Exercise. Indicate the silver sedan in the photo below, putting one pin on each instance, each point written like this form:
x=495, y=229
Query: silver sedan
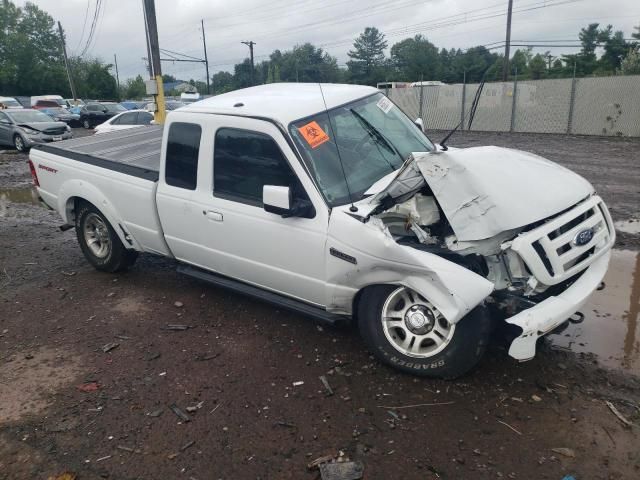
x=23, y=128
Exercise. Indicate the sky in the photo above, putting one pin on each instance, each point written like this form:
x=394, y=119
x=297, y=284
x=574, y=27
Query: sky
x=332, y=24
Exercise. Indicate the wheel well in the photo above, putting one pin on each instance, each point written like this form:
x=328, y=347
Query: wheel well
x=356, y=300
x=73, y=203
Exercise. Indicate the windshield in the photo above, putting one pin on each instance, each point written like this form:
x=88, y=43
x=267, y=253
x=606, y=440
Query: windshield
x=114, y=107
x=10, y=103
x=374, y=137
x=28, y=116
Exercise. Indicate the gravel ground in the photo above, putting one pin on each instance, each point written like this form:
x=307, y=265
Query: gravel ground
x=239, y=364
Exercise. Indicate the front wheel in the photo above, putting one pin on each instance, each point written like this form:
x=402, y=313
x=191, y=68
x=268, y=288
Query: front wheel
x=100, y=244
x=19, y=143
x=86, y=124
x=406, y=331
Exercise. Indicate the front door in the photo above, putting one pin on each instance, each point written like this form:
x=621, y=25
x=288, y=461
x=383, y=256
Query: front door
x=216, y=220
x=5, y=130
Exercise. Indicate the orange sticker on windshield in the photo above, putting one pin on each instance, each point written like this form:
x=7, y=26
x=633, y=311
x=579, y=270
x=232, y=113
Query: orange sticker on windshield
x=313, y=134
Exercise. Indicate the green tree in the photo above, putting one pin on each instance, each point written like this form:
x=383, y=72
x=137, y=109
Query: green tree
x=416, y=59
x=615, y=49
x=630, y=65
x=304, y=63
x=221, y=82
x=473, y=63
x=93, y=79
x=134, y=88
x=367, y=62
x=538, y=67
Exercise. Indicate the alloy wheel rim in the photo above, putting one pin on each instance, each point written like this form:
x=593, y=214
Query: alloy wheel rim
x=413, y=326
x=96, y=236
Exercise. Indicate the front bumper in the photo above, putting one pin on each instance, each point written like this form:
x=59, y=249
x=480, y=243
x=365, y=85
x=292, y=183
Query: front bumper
x=31, y=140
x=548, y=314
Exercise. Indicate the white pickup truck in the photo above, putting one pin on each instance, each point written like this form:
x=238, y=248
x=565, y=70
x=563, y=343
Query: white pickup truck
x=331, y=202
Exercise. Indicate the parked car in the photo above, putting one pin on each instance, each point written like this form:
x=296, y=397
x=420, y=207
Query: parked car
x=332, y=203
x=9, y=102
x=133, y=105
x=54, y=98
x=42, y=104
x=170, y=105
x=125, y=120
x=63, y=115
x=74, y=103
x=24, y=128
x=93, y=114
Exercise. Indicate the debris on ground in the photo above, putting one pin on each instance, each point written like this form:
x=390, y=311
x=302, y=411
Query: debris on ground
x=510, y=427
x=88, y=387
x=341, y=470
x=110, y=346
x=180, y=414
x=566, y=452
x=64, y=476
x=327, y=387
x=204, y=358
x=298, y=383
x=187, y=445
x=617, y=413
x=178, y=304
x=177, y=327
x=195, y=407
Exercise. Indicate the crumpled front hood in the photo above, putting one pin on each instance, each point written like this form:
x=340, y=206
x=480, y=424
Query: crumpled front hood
x=484, y=191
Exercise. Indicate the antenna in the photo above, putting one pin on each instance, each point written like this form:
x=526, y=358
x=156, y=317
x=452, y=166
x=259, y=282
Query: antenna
x=352, y=208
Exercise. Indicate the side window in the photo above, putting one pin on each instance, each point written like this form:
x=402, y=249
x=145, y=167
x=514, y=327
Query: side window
x=244, y=161
x=128, y=118
x=4, y=118
x=144, y=118
x=183, y=146
x=117, y=121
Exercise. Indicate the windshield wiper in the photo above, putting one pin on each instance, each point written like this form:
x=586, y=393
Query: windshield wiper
x=376, y=135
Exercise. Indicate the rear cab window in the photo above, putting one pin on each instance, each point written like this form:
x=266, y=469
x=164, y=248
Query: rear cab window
x=183, y=148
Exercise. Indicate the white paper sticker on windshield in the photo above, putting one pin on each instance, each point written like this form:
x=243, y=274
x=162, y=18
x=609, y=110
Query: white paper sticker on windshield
x=384, y=104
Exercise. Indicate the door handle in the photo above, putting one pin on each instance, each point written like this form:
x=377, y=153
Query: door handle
x=213, y=215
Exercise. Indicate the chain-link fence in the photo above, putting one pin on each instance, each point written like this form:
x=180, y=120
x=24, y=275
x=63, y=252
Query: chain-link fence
x=584, y=106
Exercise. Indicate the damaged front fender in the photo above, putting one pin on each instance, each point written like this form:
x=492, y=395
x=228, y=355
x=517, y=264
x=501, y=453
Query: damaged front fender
x=365, y=253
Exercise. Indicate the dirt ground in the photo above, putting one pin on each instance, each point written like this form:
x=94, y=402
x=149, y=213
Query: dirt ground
x=67, y=405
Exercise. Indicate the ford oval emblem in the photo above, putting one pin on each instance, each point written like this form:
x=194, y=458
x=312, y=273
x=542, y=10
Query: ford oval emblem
x=583, y=237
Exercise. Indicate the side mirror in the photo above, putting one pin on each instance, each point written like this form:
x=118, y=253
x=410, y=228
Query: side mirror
x=276, y=199
x=419, y=123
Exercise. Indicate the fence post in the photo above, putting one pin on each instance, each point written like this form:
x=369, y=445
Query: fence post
x=513, y=100
x=464, y=92
x=421, y=97
x=572, y=99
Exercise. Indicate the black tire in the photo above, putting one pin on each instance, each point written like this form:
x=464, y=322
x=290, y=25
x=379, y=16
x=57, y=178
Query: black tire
x=19, y=143
x=116, y=258
x=86, y=124
x=461, y=354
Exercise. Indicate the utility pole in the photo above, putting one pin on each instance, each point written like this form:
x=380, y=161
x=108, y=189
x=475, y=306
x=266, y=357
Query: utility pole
x=66, y=64
x=146, y=37
x=206, y=60
x=505, y=71
x=154, y=47
x=115, y=61
x=250, y=44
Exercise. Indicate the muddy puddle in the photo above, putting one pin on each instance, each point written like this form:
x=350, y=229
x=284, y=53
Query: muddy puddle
x=19, y=195
x=628, y=226
x=610, y=327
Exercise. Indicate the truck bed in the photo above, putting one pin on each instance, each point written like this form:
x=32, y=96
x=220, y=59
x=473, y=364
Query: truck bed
x=135, y=151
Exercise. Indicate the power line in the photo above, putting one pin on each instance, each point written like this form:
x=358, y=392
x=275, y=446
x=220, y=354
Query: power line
x=84, y=24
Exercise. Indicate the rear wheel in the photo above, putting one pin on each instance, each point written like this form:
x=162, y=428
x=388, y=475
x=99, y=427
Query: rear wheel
x=18, y=142
x=403, y=329
x=86, y=124
x=99, y=242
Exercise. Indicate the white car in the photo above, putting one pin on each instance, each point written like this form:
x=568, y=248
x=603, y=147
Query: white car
x=331, y=202
x=125, y=120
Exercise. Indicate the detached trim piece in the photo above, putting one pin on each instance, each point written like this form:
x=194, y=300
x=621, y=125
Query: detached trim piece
x=261, y=294
x=132, y=170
